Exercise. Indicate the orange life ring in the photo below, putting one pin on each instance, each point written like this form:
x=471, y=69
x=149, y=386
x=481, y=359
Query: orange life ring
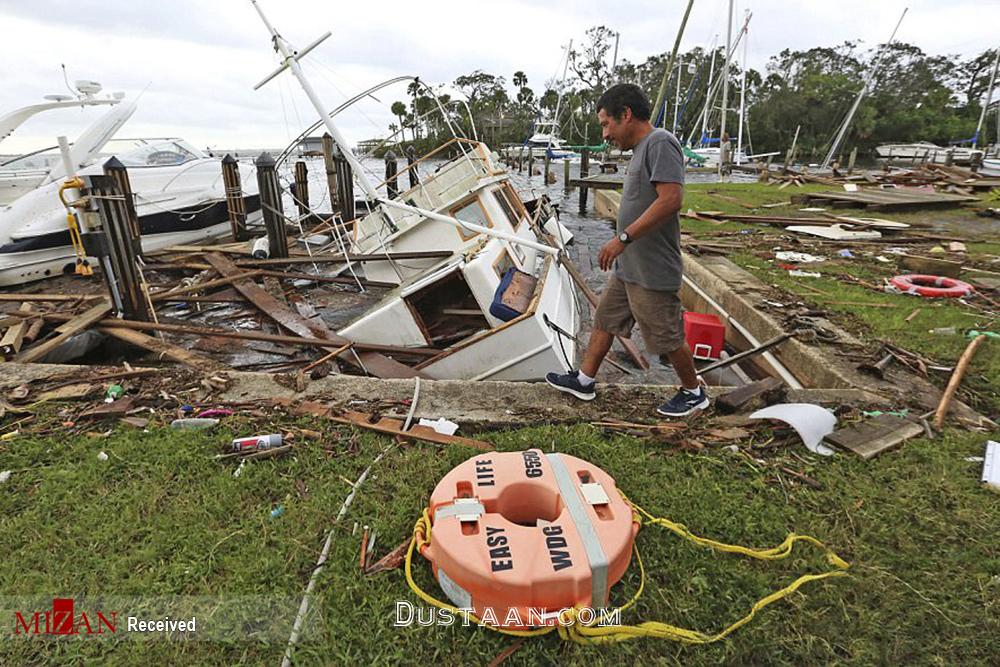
x=930, y=286
x=519, y=536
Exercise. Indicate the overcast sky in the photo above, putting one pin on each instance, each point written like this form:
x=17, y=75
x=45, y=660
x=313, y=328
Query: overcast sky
x=195, y=63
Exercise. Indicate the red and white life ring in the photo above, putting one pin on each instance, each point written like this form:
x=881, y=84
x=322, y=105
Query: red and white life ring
x=930, y=286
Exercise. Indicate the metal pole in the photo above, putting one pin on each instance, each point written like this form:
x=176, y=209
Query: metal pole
x=677, y=94
x=857, y=101
x=743, y=94
x=725, y=83
x=662, y=93
x=989, y=98
x=708, y=91
x=291, y=61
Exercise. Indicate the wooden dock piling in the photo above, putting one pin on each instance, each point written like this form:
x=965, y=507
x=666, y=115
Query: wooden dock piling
x=566, y=174
x=112, y=234
x=411, y=171
x=391, y=174
x=302, y=188
x=235, y=204
x=270, y=205
x=584, y=173
x=331, y=171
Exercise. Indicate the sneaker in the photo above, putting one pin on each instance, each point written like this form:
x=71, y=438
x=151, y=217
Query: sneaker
x=684, y=403
x=569, y=383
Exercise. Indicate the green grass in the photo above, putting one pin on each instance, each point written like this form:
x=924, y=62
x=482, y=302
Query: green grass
x=161, y=518
x=871, y=323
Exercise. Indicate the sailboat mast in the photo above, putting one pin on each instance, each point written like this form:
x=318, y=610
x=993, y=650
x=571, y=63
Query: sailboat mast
x=562, y=84
x=989, y=98
x=743, y=94
x=725, y=81
x=708, y=90
x=291, y=56
x=857, y=101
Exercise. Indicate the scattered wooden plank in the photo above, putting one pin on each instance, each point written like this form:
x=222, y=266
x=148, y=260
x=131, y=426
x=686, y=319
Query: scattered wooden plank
x=875, y=436
x=225, y=280
x=165, y=349
x=64, y=332
x=395, y=427
x=763, y=391
x=10, y=344
x=375, y=363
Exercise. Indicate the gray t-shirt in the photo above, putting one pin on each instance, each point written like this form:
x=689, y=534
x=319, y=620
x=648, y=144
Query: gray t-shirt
x=654, y=260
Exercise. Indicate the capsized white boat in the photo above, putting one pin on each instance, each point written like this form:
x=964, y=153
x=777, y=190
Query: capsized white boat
x=925, y=151
x=179, y=198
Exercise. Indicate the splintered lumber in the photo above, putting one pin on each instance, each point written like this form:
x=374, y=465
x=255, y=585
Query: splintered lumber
x=186, y=329
x=391, y=426
x=10, y=344
x=52, y=297
x=894, y=198
x=160, y=296
x=374, y=363
x=164, y=349
x=740, y=397
x=64, y=332
x=956, y=379
x=874, y=436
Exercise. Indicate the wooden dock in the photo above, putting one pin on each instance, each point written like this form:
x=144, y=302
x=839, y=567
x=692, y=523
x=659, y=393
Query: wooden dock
x=599, y=182
x=883, y=199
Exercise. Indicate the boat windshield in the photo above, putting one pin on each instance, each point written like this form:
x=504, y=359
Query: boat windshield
x=152, y=152
x=42, y=160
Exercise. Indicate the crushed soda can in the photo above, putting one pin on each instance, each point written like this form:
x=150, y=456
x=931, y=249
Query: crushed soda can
x=256, y=443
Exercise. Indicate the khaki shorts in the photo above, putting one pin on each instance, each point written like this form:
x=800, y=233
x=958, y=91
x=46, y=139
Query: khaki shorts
x=658, y=314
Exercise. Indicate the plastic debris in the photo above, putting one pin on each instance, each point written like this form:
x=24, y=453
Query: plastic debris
x=215, y=413
x=797, y=257
x=796, y=273
x=193, y=424
x=846, y=253
x=991, y=465
x=113, y=393
x=101, y=456
x=4, y=476
x=943, y=331
x=277, y=511
x=441, y=425
x=256, y=442
x=811, y=422
x=957, y=246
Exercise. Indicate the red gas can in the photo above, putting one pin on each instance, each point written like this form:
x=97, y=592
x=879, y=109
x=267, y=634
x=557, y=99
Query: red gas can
x=705, y=335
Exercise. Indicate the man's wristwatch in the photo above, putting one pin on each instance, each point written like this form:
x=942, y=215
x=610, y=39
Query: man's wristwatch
x=625, y=238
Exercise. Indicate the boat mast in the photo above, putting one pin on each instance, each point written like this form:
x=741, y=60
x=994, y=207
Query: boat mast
x=743, y=93
x=562, y=85
x=857, y=101
x=291, y=61
x=662, y=93
x=725, y=81
x=989, y=98
x=708, y=91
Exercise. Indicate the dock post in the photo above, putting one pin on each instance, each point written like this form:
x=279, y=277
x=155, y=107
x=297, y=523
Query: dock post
x=331, y=172
x=111, y=233
x=391, y=175
x=566, y=174
x=270, y=205
x=531, y=162
x=851, y=159
x=545, y=167
x=116, y=170
x=584, y=172
x=235, y=204
x=345, y=185
x=520, y=159
x=411, y=171
x=302, y=188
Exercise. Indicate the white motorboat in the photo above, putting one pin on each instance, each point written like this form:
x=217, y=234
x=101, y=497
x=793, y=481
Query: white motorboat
x=23, y=173
x=925, y=151
x=710, y=156
x=179, y=198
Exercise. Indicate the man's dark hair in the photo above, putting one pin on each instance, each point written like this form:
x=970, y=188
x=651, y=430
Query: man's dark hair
x=621, y=95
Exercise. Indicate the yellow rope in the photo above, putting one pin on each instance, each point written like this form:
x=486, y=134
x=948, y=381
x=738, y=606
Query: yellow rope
x=572, y=629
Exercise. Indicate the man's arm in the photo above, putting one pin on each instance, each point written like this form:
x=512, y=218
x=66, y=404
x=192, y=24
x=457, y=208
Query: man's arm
x=669, y=197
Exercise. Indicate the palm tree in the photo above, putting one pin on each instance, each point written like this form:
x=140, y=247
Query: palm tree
x=520, y=79
x=398, y=109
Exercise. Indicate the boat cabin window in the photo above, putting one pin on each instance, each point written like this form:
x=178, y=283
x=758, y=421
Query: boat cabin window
x=503, y=262
x=471, y=211
x=510, y=209
x=158, y=154
x=447, y=311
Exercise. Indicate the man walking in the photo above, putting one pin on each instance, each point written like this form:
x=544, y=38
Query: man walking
x=645, y=254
